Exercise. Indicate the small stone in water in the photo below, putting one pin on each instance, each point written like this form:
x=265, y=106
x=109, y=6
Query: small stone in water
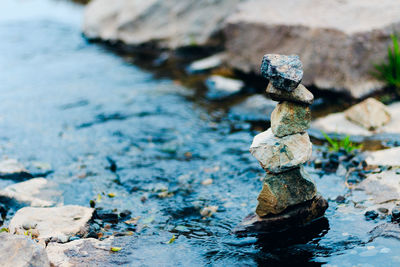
x=383, y=210
x=396, y=214
x=207, y=181
x=371, y=215
x=284, y=72
x=208, y=211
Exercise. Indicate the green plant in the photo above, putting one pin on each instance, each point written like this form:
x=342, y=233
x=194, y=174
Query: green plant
x=345, y=144
x=389, y=71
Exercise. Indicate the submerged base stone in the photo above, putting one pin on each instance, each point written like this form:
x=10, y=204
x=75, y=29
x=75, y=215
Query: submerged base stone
x=283, y=190
x=295, y=216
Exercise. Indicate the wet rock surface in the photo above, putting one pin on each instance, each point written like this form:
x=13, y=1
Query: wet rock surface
x=281, y=154
x=284, y=72
x=37, y=192
x=12, y=169
x=295, y=216
x=85, y=252
x=17, y=250
x=283, y=190
x=52, y=224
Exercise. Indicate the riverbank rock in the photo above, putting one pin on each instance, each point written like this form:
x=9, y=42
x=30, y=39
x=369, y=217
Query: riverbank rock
x=299, y=95
x=382, y=189
x=281, y=154
x=20, y=251
x=170, y=24
x=37, y=192
x=220, y=87
x=254, y=108
x=283, y=190
x=284, y=72
x=290, y=118
x=294, y=217
x=385, y=157
x=82, y=252
x=53, y=224
x=12, y=169
x=337, y=54
x=370, y=114
x=337, y=123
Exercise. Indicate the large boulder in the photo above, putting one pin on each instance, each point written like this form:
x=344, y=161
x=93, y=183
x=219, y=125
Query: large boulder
x=52, y=224
x=18, y=250
x=281, y=154
x=336, y=52
x=172, y=23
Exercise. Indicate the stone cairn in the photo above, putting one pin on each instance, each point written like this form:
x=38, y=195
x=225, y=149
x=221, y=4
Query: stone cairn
x=289, y=196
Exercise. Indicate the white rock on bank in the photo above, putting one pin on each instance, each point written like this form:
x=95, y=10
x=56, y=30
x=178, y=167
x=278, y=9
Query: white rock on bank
x=369, y=114
x=254, y=108
x=57, y=223
x=382, y=190
x=37, y=192
x=20, y=251
x=280, y=154
x=11, y=168
x=337, y=123
x=82, y=252
x=336, y=52
x=172, y=23
x=220, y=87
x=205, y=64
x=385, y=157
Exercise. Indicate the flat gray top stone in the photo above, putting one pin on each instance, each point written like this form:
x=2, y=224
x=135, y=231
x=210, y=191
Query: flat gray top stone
x=284, y=72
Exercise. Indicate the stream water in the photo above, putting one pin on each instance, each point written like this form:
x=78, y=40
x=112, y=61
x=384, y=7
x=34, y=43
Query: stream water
x=79, y=108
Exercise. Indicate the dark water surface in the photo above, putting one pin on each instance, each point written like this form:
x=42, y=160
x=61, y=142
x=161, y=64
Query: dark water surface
x=78, y=107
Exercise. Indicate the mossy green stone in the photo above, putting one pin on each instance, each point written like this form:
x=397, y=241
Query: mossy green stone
x=283, y=190
x=290, y=118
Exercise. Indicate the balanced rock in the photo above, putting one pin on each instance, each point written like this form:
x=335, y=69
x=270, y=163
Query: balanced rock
x=290, y=118
x=284, y=72
x=299, y=95
x=283, y=190
x=370, y=114
x=281, y=154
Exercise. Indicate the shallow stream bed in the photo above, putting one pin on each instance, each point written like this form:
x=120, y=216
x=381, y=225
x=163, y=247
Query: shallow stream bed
x=106, y=126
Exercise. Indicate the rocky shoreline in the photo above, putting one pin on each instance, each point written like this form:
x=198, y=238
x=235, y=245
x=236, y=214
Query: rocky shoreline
x=245, y=29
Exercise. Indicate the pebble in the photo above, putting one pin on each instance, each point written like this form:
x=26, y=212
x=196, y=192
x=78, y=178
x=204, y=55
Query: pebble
x=395, y=214
x=371, y=215
x=207, y=181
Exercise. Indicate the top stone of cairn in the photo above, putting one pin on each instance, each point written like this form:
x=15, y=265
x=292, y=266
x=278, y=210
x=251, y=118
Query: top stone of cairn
x=284, y=72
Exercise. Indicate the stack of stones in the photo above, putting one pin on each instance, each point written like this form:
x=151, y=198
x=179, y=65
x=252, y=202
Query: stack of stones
x=285, y=147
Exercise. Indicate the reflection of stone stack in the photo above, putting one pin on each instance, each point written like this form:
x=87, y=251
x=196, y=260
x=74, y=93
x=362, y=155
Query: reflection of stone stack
x=285, y=147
